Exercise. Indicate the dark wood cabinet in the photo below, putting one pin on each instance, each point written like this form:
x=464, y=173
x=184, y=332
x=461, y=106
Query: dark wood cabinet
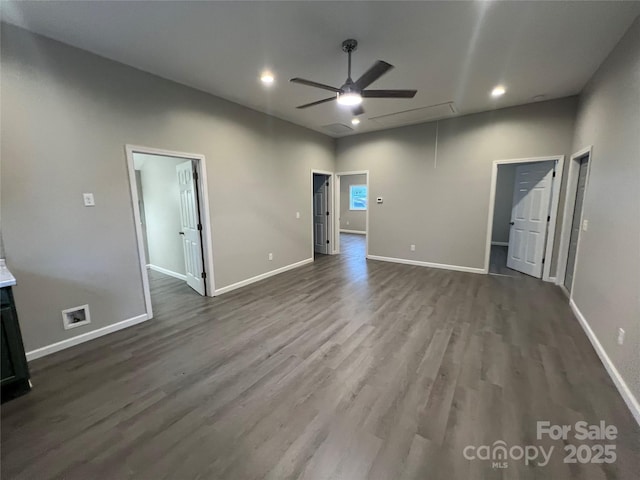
x=15, y=372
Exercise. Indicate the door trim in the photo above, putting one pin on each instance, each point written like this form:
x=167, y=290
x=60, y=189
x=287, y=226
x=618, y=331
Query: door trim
x=337, y=202
x=204, y=206
x=330, y=234
x=567, y=216
x=555, y=199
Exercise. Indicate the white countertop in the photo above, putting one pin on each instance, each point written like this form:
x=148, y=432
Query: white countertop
x=6, y=279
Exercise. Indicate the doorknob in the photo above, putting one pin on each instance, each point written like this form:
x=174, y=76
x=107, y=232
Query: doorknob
x=181, y=233
x=511, y=223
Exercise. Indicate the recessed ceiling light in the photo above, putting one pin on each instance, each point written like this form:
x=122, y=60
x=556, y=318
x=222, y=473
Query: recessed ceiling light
x=267, y=77
x=355, y=121
x=498, y=91
x=349, y=98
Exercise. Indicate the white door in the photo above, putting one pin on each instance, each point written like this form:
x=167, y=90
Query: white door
x=190, y=232
x=320, y=214
x=529, y=217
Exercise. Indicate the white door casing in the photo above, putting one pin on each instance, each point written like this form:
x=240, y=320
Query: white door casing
x=529, y=217
x=320, y=214
x=190, y=231
x=576, y=223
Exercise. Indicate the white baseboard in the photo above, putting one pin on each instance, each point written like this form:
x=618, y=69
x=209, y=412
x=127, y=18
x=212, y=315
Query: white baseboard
x=85, y=337
x=357, y=232
x=564, y=290
x=171, y=273
x=551, y=279
x=621, y=385
x=262, y=276
x=501, y=244
x=443, y=266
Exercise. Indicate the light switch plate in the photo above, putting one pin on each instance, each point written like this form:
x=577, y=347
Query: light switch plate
x=585, y=225
x=88, y=200
x=379, y=200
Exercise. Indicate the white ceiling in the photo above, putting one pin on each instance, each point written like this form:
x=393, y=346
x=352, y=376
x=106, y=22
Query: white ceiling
x=448, y=51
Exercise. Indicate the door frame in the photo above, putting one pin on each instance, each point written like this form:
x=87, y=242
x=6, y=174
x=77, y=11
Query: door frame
x=204, y=209
x=567, y=218
x=555, y=199
x=337, y=202
x=330, y=234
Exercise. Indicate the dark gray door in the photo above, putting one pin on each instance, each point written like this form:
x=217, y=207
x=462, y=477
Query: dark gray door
x=320, y=213
x=575, y=224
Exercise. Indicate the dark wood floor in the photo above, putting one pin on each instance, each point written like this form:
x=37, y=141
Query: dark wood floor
x=344, y=368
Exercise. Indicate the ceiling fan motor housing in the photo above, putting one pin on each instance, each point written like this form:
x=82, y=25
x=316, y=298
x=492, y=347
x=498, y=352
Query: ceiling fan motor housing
x=349, y=45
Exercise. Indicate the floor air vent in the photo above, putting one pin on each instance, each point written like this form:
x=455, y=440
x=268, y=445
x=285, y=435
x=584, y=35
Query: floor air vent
x=76, y=317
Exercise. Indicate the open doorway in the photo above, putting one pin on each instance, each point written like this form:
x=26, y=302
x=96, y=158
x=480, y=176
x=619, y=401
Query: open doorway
x=522, y=216
x=321, y=195
x=352, y=222
x=573, y=221
x=171, y=220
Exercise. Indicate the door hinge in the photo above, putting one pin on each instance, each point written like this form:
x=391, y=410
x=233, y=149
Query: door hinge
x=327, y=184
x=327, y=241
x=195, y=175
x=327, y=213
x=554, y=174
x=203, y=274
x=543, y=261
x=199, y=226
x=548, y=218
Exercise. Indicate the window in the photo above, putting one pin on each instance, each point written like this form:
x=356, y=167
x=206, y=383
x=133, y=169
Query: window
x=358, y=197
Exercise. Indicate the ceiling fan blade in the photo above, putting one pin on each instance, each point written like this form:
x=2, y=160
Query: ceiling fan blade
x=375, y=72
x=389, y=93
x=309, y=83
x=306, y=105
x=357, y=110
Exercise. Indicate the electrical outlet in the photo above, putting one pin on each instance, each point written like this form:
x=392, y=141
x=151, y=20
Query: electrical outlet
x=271, y=256
x=585, y=225
x=620, y=336
x=413, y=248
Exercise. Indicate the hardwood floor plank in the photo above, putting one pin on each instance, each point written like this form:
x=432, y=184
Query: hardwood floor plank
x=344, y=368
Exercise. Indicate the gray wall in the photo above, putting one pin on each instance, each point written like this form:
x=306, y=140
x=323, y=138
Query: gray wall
x=607, y=274
x=503, y=203
x=161, y=198
x=441, y=205
x=351, y=219
x=66, y=116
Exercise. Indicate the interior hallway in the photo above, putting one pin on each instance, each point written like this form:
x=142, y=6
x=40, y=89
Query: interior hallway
x=498, y=263
x=344, y=368
x=353, y=245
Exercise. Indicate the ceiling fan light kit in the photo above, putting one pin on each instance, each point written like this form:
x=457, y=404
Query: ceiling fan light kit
x=351, y=93
x=349, y=98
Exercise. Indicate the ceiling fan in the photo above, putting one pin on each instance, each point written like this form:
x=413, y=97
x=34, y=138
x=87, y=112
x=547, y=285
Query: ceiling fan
x=352, y=93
